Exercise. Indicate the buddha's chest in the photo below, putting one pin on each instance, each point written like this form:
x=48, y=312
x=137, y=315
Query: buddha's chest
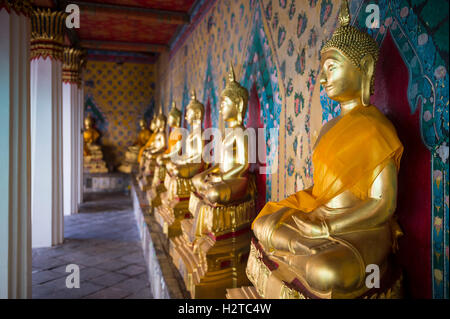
x=230, y=153
x=88, y=136
x=194, y=143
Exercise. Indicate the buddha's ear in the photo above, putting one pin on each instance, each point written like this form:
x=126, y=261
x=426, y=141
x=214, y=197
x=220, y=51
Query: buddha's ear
x=240, y=109
x=368, y=69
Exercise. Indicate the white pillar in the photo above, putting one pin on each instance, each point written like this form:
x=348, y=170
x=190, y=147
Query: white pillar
x=15, y=215
x=70, y=108
x=72, y=59
x=79, y=143
x=46, y=131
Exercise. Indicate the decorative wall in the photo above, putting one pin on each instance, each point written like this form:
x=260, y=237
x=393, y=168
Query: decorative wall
x=274, y=45
x=118, y=95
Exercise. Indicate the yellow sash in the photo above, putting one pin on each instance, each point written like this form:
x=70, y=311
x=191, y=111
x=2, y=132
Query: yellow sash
x=149, y=142
x=143, y=137
x=174, y=137
x=362, y=141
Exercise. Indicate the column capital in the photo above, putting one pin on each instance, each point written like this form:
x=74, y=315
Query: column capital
x=47, y=34
x=73, y=62
x=18, y=6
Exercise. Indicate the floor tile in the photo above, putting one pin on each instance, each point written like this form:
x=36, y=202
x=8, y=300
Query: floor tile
x=103, y=240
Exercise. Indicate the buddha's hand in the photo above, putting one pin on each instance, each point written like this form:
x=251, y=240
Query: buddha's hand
x=172, y=168
x=311, y=226
x=265, y=227
x=218, y=193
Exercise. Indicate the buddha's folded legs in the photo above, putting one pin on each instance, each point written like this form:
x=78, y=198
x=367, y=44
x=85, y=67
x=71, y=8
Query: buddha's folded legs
x=337, y=263
x=227, y=191
x=265, y=227
x=198, y=183
x=187, y=170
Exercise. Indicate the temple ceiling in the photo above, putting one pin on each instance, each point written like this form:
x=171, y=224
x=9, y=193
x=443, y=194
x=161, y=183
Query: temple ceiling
x=134, y=26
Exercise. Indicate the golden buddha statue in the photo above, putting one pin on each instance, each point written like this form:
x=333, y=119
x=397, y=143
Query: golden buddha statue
x=212, y=252
x=144, y=134
x=141, y=160
x=93, y=155
x=174, y=147
x=149, y=140
x=180, y=170
x=156, y=146
x=131, y=156
x=318, y=242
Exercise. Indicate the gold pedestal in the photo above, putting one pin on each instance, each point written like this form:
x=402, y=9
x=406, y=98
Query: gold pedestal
x=154, y=194
x=246, y=292
x=212, y=252
x=273, y=279
x=94, y=163
x=175, y=204
x=130, y=161
x=145, y=176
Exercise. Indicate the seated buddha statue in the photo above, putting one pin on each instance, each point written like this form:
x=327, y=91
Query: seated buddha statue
x=131, y=155
x=180, y=170
x=173, y=148
x=212, y=252
x=141, y=159
x=157, y=146
x=318, y=242
x=92, y=153
x=149, y=140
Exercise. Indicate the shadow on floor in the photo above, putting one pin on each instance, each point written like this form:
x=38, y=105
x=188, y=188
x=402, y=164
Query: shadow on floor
x=106, y=248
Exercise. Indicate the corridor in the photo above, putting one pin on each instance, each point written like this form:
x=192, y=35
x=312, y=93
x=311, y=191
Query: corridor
x=103, y=240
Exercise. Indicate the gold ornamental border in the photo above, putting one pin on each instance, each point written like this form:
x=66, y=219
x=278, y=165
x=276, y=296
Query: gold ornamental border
x=47, y=34
x=72, y=64
x=18, y=6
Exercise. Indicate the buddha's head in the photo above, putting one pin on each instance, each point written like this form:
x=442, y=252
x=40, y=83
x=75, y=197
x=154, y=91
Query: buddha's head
x=153, y=124
x=160, y=121
x=88, y=122
x=174, y=119
x=348, y=62
x=194, y=111
x=142, y=124
x=233, y=100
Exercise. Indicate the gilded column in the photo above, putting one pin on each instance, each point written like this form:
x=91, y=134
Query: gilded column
x=15, y=193
x=72, y=59
x=47, y=36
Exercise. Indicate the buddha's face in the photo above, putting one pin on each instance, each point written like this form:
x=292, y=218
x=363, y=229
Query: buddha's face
x=88, y=123
x=228, y=109
x=153, y=125
x=339, y=77
x=160, y=123
x=192, y=115
x=142, y=124
x=171, y=120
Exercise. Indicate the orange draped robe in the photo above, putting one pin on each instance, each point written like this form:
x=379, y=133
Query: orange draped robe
x=360, y=144
x=174, y=137
x=143, y=136
x=149, y=142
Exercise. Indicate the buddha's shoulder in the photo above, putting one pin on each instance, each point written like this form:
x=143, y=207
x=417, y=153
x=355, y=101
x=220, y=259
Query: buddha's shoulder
x=375, y=118
x=325, y=128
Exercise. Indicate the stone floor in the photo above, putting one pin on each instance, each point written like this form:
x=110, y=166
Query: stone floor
x=103, y=240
